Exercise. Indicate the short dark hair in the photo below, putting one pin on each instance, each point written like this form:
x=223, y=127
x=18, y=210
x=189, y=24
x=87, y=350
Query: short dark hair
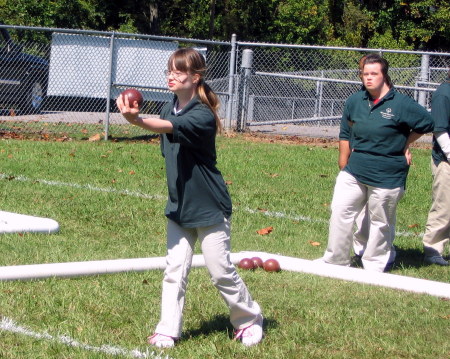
x=377, y=59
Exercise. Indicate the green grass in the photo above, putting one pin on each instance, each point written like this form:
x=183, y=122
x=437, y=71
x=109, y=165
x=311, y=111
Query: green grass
x=95, y=191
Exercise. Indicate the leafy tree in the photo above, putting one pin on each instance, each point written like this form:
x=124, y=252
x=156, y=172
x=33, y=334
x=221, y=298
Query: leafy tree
x=417, y=24
x=249, y=20
x=302, y=22
x=426, y=24
x=420, y=24
x=48, y=13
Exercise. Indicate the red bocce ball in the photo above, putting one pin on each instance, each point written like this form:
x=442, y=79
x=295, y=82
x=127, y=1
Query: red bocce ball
x=257, y=262
x=133, y=96
x=246, y=263
x=272, y=265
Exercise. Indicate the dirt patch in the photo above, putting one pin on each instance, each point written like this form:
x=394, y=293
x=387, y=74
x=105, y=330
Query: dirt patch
x=285, y=139
x=424, y=143
x=289, y=139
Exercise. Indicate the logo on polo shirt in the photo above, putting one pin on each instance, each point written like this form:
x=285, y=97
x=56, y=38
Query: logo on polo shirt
x=387, y=114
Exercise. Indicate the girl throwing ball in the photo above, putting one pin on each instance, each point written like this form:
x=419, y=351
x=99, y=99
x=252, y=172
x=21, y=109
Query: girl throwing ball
x=198, y=204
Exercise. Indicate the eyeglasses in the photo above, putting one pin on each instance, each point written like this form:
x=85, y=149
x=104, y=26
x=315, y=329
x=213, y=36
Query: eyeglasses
x=175, y=74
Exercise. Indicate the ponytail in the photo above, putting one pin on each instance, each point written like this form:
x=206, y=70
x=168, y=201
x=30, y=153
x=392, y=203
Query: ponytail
x=210, y=99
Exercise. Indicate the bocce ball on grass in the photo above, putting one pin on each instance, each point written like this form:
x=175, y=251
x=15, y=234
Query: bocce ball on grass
x=272, y=265
x=246, y=263
x=134, y=96
x=257, y=262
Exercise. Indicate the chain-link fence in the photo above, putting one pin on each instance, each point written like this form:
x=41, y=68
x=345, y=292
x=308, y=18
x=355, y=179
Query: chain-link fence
x=66, y=81
x=309, y=85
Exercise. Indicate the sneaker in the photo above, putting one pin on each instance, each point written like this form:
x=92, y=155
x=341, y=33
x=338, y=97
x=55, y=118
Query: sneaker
x=251, y=335
x=389, y=266
x=161, y=341
x=435, y=260
x=356, y=261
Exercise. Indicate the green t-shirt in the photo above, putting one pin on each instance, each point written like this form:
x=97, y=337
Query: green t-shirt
x=378, y=136
x=440, y=111
x=197, y=193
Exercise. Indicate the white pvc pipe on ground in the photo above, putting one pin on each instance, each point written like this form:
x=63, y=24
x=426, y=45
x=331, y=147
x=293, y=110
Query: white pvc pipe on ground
x=19, y=223
x=411, y=284
x=73, y=269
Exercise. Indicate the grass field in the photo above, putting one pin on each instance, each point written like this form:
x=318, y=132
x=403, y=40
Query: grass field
x=108, y=198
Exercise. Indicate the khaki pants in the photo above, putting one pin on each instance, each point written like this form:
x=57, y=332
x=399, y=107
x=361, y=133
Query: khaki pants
x=215, y=245
x=361, y=234
x=349, y=199
x=437, y=230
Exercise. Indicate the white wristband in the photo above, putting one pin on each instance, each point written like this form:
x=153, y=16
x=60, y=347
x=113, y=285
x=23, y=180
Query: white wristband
x=444, y=142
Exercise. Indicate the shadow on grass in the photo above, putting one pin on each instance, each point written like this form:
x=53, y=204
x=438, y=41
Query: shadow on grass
x=408, y=258
x=132, y=138
x=405, y=258
x=221, y=323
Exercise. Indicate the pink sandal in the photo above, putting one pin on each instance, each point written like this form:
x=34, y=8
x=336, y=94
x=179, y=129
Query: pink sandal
x=161, y=341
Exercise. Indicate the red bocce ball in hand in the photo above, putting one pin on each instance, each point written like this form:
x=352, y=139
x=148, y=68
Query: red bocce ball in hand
x=133, y=97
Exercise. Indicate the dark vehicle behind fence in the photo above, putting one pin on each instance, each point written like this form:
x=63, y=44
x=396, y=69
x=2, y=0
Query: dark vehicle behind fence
x=23, y=77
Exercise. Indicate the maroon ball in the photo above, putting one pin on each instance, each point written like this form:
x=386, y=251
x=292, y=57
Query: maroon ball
x=246, y=263
x=133, y=95
x=257, y=262
x=272, y=265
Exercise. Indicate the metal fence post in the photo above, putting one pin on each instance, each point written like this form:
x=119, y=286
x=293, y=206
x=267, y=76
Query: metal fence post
x=229, y=109
x=246, y=70
x=423, y=77
x=108, y=99
x=319, y=94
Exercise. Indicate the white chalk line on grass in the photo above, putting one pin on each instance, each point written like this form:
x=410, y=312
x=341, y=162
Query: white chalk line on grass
x=9, y=325
x=127, y=192
x=80, y=186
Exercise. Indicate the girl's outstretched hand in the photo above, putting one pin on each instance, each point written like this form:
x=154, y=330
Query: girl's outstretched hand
x=130, y=112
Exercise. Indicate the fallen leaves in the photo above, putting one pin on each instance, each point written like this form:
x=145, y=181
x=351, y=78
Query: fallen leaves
x=314, y=243
x=95, y=137
x=265, y=231
x=271, y=175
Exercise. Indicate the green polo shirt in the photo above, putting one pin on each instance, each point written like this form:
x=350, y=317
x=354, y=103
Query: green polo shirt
x=197, y=193
x=440, y=111
x=378, y=135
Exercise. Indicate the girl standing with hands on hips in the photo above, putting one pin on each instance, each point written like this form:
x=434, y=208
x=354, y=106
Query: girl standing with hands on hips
x=383, y=123
x=198, y=204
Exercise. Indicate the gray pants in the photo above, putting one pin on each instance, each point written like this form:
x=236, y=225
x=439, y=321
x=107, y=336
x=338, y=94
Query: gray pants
x=215, y=245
